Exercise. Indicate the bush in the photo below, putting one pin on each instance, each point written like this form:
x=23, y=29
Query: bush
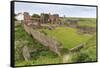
x=83, y=57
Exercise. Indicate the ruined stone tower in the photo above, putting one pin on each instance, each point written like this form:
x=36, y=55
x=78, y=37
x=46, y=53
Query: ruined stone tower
x=27, y=18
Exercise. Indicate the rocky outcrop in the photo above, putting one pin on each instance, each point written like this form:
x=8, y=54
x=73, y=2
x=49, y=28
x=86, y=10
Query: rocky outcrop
x=49, y=42
x=26, y=53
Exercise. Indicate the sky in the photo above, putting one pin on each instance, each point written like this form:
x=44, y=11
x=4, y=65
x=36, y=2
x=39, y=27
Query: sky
x=62, y=10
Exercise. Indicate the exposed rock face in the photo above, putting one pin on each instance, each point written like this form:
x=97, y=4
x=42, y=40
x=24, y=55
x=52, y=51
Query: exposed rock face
x=77, y=48
x=86, y=30
x=27, y=29
x=46, y=41
x=26, y=53
x=49, y=42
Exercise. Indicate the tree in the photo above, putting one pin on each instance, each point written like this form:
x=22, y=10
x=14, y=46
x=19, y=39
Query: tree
x=36, y=16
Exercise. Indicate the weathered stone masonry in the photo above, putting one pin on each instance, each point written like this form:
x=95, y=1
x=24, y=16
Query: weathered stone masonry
x=49, y=42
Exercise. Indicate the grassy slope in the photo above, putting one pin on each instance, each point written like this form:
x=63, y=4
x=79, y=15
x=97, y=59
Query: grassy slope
x=41, y=56
x=91, y=48
x=86, y=54
x=84, y=21
x=88, y=22
x=67, y=36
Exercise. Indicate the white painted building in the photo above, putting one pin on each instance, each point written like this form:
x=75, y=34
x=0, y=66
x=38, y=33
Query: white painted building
x=19, y=17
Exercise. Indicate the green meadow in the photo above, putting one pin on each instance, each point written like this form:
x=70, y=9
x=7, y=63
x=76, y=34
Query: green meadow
x=42, y=56
x=67, y=36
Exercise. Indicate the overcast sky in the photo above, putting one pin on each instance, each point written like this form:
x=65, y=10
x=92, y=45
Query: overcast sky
x=67, y=10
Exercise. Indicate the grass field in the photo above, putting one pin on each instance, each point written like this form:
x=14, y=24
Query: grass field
x=67, y=36
x=88, y=22
x=42, y=56
x=86, y=54
x=91, y=22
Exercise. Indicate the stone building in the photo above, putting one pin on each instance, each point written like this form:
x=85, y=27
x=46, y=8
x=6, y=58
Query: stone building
x=48, y=18
x=43, y=19
x=27, y=18
x=29, y=21
x=54, y=19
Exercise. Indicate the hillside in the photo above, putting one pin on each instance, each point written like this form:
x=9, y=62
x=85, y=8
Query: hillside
x=69, y=38
x=86, y=54
x=39, y=52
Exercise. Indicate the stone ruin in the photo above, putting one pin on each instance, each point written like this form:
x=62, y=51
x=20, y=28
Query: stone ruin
x=86, y=29
x=54, y=19
x=49, y=42
x=81, y=29
x=72, y=23
x=44, y=19
x=29, y=21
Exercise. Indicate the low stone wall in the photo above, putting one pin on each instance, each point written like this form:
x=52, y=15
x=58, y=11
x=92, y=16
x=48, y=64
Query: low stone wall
x=86, y=29
x=49, y=42
x=77, y=48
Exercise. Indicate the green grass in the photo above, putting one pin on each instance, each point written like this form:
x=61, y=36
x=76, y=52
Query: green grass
x=67, y=36
x=86, y=54
x=87, y=23
x=42, y=56
x=91, y=22
x=91, y=48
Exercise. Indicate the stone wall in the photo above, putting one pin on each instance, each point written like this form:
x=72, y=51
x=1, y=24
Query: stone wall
x=27, y=19
x=44, y=19
x=54, y=19
x=86, y=29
